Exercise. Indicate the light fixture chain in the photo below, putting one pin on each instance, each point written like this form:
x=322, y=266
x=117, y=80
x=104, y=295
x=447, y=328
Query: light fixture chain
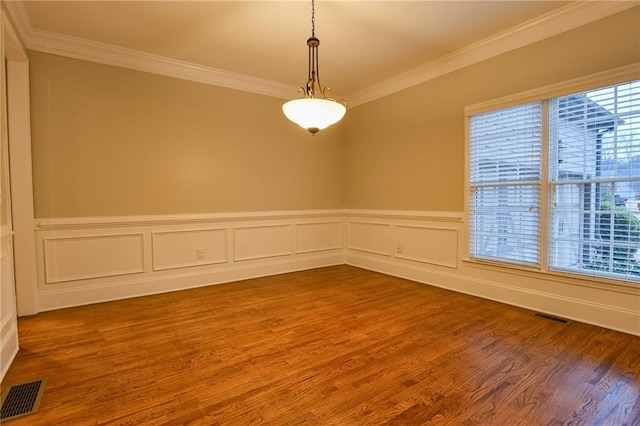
x=313, y=18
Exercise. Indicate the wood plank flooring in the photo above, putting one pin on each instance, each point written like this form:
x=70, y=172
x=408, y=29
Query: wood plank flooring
x=330, y=346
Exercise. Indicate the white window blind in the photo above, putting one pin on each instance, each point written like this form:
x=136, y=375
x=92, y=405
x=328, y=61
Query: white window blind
x=594, y=171
x=505, y=183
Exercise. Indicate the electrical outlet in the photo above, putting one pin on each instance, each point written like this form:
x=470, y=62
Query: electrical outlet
x=200, y=254
x=398, y=248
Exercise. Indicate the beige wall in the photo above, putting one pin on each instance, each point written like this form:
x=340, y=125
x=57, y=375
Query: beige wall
x=109, y=141
x=406, y=151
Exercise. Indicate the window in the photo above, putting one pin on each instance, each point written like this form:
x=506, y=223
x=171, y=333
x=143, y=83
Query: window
x=505, y=182
x=555, y=184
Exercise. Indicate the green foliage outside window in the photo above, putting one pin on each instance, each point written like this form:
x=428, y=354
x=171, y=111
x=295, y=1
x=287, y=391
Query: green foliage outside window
x=617, y=255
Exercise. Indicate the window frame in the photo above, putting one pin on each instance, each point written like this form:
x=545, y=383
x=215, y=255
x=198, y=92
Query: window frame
x=519, y=179
x=542, y=94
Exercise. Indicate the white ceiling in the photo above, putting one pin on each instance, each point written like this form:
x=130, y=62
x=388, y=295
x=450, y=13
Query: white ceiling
x=368, y=48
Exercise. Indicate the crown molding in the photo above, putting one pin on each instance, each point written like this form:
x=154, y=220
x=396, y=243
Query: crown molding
x=561, y=20
x=73, y=47
x=19, y=16
x=87, y=50
x=564, y=19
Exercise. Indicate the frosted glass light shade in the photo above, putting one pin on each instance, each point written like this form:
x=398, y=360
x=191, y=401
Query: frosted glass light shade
x=314, y=114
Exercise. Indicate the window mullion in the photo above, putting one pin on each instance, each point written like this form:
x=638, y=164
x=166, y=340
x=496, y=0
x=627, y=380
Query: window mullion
x=545, y=202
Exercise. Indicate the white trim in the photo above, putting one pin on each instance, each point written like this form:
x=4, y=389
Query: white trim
x=576, y=279
x=19, y=16
x=373, y=250
x=155, y=264
x=435, y=216
x=563, y=19
x=19, y=141
x=553, y=23
x=612, y=317
x=77, y=48
x=260, y=255
x=49, y=253
x=580, y=84
x=268, y=252
x=9, y=344
x=66, y=223
x=21, y=176
x=338, y=246
x=544, y=94
x=596, y=303
x=103, y=53
x=453, y=264
x=148, y=285
x=47, y=224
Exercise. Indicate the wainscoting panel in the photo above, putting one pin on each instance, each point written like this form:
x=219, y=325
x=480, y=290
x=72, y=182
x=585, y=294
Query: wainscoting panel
x=438, y=246
x=97, y=259
x=318, y=236
x=429, y=247
x=8, y=316
x=191, y=247
x=91, y=260
x=261, y=241
x=83, y=257
x=370, y=237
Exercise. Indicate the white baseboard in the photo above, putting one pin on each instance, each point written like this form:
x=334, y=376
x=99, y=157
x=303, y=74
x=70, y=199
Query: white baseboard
x=8, y=318
x=149, y=285
x=627, y=321
x=8, y=345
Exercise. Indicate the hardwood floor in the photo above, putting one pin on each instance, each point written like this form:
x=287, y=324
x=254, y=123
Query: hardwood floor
x=331, y=346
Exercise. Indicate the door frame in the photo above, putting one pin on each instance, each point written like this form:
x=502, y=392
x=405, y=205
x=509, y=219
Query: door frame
x=16, y=65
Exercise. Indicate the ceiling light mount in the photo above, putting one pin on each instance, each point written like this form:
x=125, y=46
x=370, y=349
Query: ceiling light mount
x=315, y=110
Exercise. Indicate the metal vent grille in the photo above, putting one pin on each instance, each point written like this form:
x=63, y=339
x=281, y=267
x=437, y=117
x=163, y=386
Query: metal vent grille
x=552, y=318
x=21, y=400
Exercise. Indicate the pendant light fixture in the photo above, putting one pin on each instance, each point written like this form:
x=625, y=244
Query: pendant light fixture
x=315, y=110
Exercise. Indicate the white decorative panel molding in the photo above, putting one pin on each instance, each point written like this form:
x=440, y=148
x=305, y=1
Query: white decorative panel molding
x=184, y=248
x=370, y=237
x=318, y=236
x=77, y=258
x=438, y=246
x=95, y=259
x=261, y=241
x=8, y=315
x=7, y=291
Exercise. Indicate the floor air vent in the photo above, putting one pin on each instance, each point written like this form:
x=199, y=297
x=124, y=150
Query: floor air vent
x=552, y=318
x=21, y=400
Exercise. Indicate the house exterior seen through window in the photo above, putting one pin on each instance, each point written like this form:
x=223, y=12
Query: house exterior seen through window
x=569, y=166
